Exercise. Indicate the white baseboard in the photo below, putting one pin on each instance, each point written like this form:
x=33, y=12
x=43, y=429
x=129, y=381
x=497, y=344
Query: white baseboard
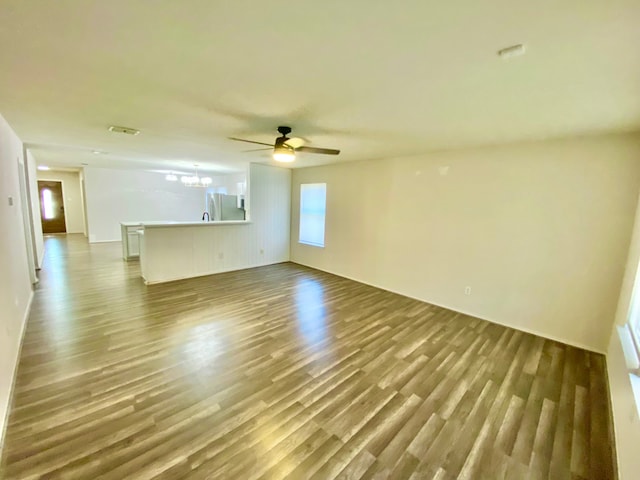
x=471, y=314
x=23, y=329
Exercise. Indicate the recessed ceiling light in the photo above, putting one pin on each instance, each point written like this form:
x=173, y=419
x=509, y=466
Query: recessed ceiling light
x=43, y=167
x=512, y=51
x=96, y=152
x=125, y=130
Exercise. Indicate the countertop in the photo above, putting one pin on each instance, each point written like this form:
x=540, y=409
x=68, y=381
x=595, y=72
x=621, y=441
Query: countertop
x=184, y=224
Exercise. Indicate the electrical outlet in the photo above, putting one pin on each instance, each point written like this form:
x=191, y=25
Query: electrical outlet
x=220, y=256
x=262, y=251
x=467, y=290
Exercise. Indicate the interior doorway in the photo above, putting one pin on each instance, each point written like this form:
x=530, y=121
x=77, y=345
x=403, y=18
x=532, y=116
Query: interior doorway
x=51, y=207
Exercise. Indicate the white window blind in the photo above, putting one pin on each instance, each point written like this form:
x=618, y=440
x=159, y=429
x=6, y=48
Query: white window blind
x=313, y=204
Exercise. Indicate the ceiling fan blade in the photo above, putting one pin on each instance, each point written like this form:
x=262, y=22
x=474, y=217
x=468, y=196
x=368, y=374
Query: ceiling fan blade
x=257, y=150
x=295, y=142
x=324, y=151
x=250, y=141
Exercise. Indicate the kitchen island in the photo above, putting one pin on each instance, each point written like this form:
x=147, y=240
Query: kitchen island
x=176, y=250
x=130, y=240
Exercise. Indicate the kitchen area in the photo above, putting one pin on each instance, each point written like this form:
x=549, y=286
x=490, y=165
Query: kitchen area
x=224, y=199
x=238, y=226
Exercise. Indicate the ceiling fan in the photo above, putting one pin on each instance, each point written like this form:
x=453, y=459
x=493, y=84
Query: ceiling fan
x=284, y=151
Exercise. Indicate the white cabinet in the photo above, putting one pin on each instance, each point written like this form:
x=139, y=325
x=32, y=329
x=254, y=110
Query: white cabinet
x=130, y=240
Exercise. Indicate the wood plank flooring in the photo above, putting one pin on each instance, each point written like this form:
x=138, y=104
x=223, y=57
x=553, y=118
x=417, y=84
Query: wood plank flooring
x=287, y=372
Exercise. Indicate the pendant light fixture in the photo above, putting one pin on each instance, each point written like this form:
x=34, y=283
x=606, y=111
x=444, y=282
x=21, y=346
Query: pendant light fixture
x=195, y=180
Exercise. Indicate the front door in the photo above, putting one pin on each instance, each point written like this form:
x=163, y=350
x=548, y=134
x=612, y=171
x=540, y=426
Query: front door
x=51, y=207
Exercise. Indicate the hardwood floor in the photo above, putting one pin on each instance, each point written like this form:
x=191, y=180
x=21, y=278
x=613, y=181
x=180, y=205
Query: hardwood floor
x=284, y=371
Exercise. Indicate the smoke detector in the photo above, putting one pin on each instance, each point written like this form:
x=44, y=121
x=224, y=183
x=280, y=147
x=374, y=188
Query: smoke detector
x=125, y=130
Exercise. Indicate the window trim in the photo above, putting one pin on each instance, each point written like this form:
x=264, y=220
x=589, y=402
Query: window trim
x=632, y=327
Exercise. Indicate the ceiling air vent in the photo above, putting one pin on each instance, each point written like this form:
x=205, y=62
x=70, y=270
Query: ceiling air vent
x=125, y=130
x=512, y=51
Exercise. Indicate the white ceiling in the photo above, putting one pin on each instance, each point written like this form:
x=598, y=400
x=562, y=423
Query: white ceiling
x=373, y=79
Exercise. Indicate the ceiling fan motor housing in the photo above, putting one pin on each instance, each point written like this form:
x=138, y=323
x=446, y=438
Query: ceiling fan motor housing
x=284, y=130
x=281, y=145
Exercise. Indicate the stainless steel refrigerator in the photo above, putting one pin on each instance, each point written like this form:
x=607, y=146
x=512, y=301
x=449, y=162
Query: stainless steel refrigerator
x=225, y=207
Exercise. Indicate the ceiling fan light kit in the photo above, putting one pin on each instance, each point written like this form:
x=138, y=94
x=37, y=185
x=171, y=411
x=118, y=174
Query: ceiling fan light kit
x=283, y=151
x=284, y=154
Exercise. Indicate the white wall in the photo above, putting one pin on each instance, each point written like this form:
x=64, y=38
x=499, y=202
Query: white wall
x=114, y=196
x=227, y=183
x=36, y=224
x=73, y=208
x=539, y=231
x=174, y=252
x=15, y=285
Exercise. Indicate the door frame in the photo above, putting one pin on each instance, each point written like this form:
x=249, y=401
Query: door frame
x=25, y=207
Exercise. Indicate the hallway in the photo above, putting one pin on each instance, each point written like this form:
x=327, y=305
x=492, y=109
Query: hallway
x=286, y=371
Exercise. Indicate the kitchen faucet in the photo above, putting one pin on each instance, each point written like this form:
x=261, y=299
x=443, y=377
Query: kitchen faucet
x=207, y=214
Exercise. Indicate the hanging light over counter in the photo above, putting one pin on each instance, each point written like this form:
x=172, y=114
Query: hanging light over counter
x=190, y=180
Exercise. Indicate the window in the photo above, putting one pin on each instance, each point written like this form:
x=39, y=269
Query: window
x=630, y=334
x=634, y=308
x=630, y=340
x=313, y=203
x=47, y=204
